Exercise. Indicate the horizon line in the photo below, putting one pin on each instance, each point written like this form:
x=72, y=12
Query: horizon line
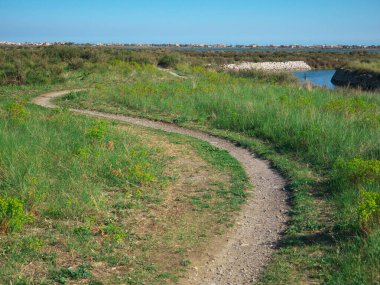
x=184, y=44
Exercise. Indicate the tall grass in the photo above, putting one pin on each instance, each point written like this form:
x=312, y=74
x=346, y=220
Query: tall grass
x=318, y=125
x=57, y=177
x=337, y=133
x=59, y=165
x=365, y=65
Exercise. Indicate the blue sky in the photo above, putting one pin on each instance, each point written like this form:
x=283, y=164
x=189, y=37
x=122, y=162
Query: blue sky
x=196, y=21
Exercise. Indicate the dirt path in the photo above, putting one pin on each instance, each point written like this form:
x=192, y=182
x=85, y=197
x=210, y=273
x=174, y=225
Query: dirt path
x=171, y=73
x=240, y=256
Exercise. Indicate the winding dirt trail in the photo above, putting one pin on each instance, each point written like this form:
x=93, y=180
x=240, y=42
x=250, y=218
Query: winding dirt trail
x=240, y=256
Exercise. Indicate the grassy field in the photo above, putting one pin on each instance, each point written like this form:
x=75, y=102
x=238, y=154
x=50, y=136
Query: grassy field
x=84, y=201
x=325, y=142
x=334, y=133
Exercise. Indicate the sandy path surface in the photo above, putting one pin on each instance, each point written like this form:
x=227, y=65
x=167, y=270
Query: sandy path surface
x=240, y=256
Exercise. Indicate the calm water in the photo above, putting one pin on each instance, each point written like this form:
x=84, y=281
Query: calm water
x=317, y=77
x=275, y=50
x=261, y=49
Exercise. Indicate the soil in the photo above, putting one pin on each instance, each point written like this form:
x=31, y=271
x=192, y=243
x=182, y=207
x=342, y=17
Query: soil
x=241, y=255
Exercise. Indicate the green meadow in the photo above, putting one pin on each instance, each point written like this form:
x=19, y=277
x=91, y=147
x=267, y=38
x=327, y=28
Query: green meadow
x=71, y=187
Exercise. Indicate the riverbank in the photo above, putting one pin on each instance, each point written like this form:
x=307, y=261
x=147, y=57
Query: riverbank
x=366, y=80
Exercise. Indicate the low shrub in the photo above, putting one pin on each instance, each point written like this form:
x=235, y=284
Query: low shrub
x=113, y=232
x=75, y=64
x=16, y=111
x=12, y=215
x=369, y=209
x=98, y=131
x=12, y=75
x=358, y=171
x=169, y=60
x=61, y=276
x=362, y=177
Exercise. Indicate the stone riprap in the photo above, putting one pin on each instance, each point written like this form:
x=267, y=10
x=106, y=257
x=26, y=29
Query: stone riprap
x=269, y=66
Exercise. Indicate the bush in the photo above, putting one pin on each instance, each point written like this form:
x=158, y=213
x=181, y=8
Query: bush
x=369, y=209
x=12, y=215
x=75, y=63
x=12, y=75
x=362, y=177
x=113, y=232
x=16, y=111
x=359, y=171
x=98, y=131
x=169, y=60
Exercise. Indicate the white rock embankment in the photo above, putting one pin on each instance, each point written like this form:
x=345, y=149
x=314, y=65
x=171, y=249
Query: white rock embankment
x=269, y=66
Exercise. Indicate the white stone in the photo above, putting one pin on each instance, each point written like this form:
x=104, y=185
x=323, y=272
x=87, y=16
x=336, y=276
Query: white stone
x=269, y=66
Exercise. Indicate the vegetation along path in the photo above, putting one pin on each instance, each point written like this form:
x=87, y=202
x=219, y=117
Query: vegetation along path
x=241, y=255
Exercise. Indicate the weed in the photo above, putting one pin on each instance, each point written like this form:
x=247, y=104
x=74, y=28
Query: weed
x=16, y=111
x=12, y=214
x=98, y=131
x=185, y=262
x=32, y=244
x=180, y=120
x=74, y=95
x=358, y=171
x=369, y=208
x=53, y=212
x=113, y=232
x=81, y=272
x=164, y=276
x=82, y=232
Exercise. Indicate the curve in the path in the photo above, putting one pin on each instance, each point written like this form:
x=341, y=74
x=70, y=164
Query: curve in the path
x=171, y=72
x=244, y=252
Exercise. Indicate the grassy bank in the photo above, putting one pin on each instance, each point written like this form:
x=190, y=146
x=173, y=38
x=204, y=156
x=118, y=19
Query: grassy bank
x=85, y=201
x=332, y=134
x=365, y=65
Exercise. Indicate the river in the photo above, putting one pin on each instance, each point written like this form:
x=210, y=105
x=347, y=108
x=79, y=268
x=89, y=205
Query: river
x=317, y=77
x=259, y=49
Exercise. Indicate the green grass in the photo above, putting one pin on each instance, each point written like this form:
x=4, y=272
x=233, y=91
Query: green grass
x=54, y=64
x=324, y=142
x=317, y=125
x=365, y=65
x=94, y=196
x=329, y=133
